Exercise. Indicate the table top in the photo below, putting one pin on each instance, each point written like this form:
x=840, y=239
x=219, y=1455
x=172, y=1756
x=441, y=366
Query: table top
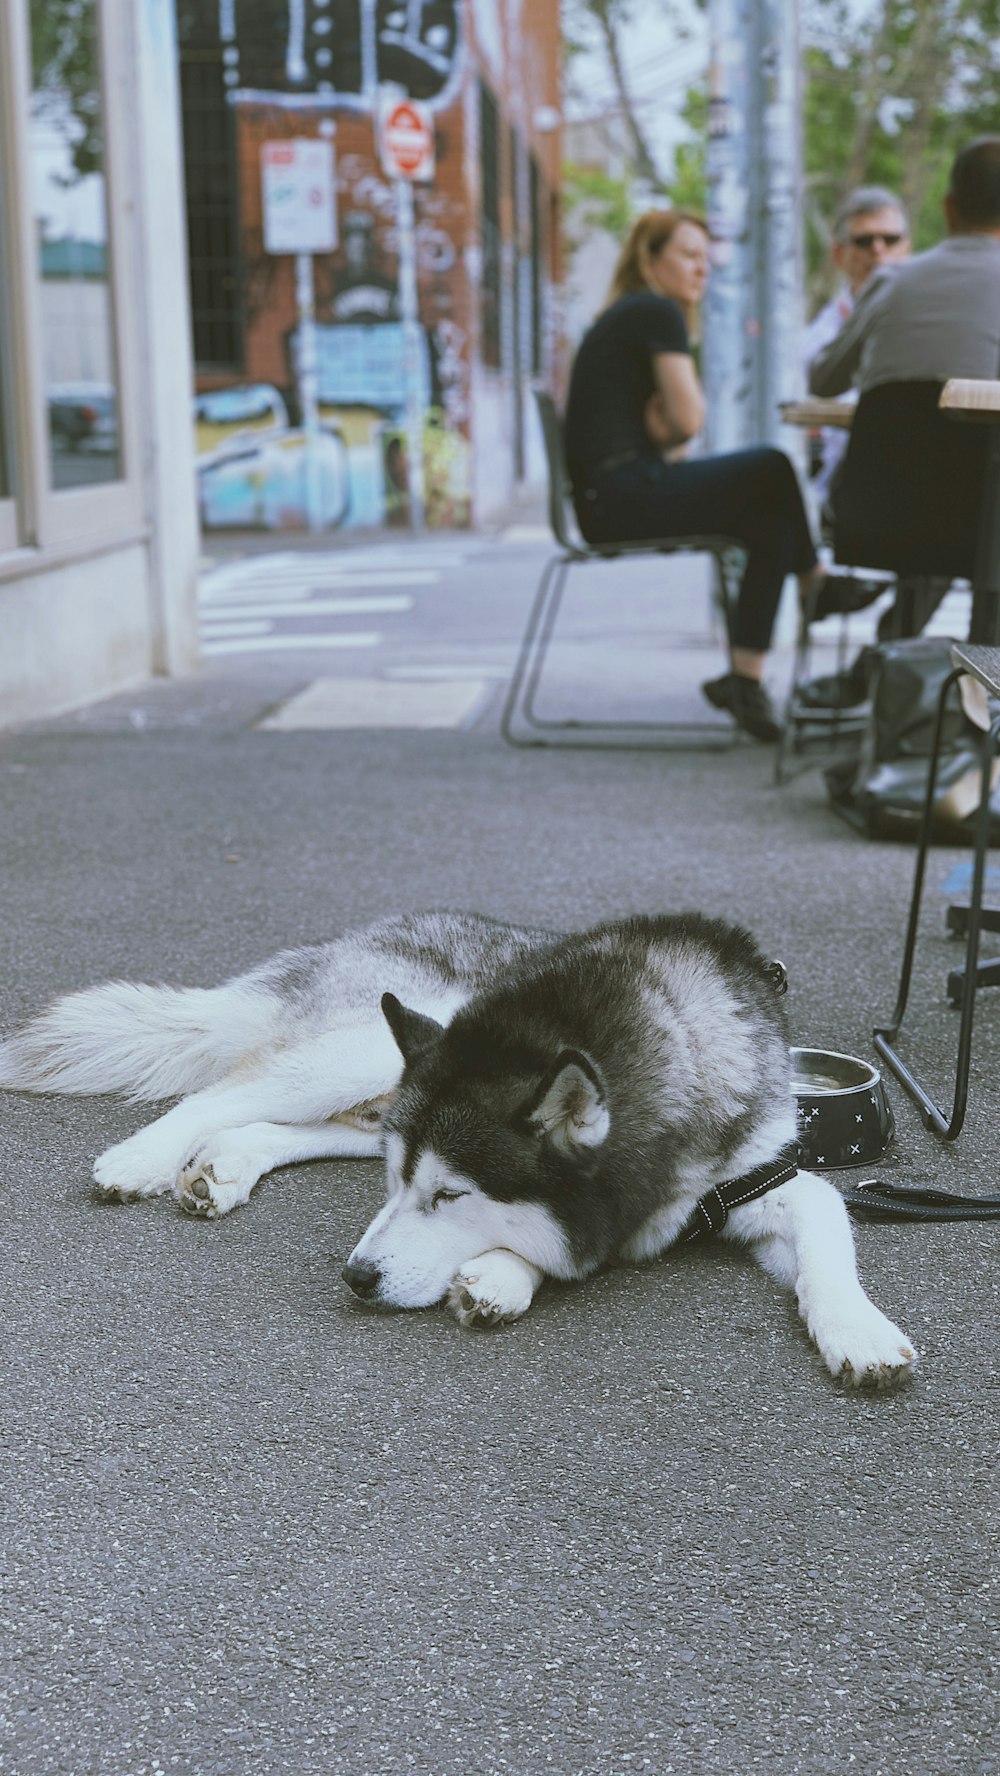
x=982, y=663
x=971, y=398
x=965, y=396
x=815, y=411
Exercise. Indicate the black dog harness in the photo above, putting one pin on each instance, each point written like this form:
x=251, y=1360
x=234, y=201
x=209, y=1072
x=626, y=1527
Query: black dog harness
x=712, y=1211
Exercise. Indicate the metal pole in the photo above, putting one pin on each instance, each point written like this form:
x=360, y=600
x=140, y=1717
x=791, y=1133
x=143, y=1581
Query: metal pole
x=728, y=365
x=308, y=387
x=779, y=218
x=753, y=310
x=410, y=315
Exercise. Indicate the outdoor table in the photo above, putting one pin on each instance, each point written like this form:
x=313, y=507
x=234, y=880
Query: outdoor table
x=815, y=412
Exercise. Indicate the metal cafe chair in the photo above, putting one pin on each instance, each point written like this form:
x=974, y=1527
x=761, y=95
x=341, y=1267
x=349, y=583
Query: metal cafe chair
x=982, y=664
x=520, y=723
x=906, y=504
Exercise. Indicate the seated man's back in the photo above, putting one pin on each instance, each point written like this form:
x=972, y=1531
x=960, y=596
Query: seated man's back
x=933, y=317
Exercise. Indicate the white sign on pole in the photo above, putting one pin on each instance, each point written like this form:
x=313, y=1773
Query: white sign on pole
x=299, y=196
x=406, y=139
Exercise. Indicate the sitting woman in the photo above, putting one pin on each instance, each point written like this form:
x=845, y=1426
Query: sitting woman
x=634, y=403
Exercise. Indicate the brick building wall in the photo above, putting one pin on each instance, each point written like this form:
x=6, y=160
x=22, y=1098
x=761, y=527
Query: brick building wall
x=487, y=247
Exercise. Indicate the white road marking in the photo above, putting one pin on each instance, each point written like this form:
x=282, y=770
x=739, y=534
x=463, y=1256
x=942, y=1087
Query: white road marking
x=291, y=643
x=214, y=631
x=526, y=533
x=376, y=703
x=244, y=585
x=310, y=607
x=459, y=670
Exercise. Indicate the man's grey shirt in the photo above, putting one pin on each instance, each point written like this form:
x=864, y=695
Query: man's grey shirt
x=927, y=319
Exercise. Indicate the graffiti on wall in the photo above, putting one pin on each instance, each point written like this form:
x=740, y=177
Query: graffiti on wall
x=304, y=56
x=318, y=53
x=251, y=462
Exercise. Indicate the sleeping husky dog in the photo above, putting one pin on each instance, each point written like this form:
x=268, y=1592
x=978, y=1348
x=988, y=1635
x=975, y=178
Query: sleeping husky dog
x=545, y=1104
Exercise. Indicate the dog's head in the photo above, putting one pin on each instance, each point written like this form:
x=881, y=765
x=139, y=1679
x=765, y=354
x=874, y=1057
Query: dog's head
x=487, y=1145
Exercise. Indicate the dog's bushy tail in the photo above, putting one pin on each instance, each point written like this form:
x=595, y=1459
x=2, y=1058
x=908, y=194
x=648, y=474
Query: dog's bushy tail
x=145, y=1041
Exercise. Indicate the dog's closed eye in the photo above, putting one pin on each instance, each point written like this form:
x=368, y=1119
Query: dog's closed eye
x=446, y=1196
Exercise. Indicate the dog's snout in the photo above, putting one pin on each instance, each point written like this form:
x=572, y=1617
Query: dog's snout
x=361, y=1276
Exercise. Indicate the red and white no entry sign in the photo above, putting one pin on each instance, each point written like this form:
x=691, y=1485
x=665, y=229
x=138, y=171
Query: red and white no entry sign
x=407, y=140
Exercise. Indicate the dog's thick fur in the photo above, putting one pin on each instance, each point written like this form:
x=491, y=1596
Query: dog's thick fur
x=564, y=1102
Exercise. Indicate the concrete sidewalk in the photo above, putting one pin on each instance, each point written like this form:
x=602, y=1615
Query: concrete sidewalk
x=252, y=1529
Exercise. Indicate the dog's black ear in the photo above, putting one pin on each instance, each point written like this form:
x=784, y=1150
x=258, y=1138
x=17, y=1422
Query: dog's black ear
x=570, y=1105
x=413, y=1032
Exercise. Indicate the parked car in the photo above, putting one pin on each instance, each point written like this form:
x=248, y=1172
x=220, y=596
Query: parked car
x=83, y=415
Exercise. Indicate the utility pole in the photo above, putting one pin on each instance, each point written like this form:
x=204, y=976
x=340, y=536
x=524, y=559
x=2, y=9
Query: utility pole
x=728, y=357
x=754, y=304
x=780, y=280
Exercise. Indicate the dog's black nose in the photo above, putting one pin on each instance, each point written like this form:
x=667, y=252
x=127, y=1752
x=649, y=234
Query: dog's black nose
x=362, y=1277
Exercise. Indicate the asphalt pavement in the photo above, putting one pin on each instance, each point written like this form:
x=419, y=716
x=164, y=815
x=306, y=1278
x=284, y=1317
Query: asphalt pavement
x=251, y=1527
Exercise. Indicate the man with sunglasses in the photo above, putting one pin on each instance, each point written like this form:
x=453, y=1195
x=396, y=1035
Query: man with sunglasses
x=869, y=230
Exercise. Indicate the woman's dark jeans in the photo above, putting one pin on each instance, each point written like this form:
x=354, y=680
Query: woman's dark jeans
x=750, y=495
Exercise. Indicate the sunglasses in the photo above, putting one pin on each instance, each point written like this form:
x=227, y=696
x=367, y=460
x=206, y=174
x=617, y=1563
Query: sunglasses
x=868, y=240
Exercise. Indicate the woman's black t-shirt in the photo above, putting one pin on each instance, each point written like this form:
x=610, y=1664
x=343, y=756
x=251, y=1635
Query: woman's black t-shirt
x=612, y=379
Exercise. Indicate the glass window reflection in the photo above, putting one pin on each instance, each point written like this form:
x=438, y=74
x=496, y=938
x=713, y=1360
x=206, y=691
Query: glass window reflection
x=5, y=486
x=6, y=429
x=70, y=211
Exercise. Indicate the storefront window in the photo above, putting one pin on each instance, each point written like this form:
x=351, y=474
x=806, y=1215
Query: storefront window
x=66, y=154
x=5, y=486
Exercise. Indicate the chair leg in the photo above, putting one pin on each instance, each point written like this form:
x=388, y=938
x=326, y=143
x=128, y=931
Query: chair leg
x=885, y=1036
x=838, y=725
x=987, y=975
x=519, y=704
x=957, y=919
x=789, y=729
x=533, y=650
x=972, y=978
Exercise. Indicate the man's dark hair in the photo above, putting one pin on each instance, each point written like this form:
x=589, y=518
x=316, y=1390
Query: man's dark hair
x=975, y=183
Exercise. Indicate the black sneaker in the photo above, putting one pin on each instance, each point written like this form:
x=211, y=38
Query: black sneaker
x=840, y=594
x=747, y=702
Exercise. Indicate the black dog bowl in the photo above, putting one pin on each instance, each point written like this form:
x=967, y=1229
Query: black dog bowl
x=844, y=1116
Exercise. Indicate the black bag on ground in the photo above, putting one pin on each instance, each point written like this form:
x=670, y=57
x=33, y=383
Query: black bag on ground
x=881, y=788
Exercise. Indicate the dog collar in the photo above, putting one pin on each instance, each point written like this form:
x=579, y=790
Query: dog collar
x=712, y=1211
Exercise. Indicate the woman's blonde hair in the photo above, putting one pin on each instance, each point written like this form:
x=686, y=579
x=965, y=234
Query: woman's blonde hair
x=647, y=238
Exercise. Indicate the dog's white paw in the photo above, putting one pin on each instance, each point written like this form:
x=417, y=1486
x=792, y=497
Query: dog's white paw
x=129, y=1172
x=864, y=1349
x=494, y=1287
x=216, y=1181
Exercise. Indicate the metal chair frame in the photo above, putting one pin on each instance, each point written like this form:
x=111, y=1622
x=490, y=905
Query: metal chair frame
x=962, y=983
x=520, y=724
x=803, y=727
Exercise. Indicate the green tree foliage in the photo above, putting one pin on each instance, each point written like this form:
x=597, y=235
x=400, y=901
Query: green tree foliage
x=689, y=184
x=890, y=97
x=603, y=201
x=892, y=90
x=65, y=70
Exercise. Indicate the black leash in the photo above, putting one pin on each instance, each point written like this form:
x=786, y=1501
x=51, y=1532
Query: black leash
x=711, y=1211
x=871, y=1200
x=868, y=1200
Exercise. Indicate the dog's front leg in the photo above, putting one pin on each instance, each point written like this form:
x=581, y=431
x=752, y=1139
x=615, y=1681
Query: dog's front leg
x=802, y=1236
x=496, y=1286
x=221, y=1176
